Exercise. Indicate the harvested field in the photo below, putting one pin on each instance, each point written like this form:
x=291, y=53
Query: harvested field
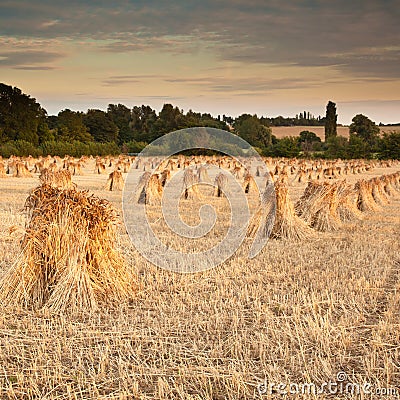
x=305, y=308
x=283, y=131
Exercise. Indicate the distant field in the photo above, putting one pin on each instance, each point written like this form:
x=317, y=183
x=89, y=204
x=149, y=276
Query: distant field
x=282, y=131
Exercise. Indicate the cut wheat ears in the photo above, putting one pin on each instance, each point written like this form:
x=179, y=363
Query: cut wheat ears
x=58, y=179
x=276, y=215
x=115, y=181
x=69, y=260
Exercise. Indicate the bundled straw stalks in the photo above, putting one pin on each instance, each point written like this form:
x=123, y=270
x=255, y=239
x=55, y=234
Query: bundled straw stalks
x=115, y=181
x=301, y=176
x=21, y=170
x=249, y=184
x=318, y=206
x=38, y=167
x=238, y=172
x=378, y=191
x=259, y=170
x=149, y=189
x=220, y=184
x=59, y=179
x=99, y=168
x=190, y=185
x=202, y=174
x=3, y=172
x=76, y=168
x=69, y=261
x=264, y=218
x=287, y=224
x=347, y=203
x=387, y=185
x=365, y=200
x=165, y=177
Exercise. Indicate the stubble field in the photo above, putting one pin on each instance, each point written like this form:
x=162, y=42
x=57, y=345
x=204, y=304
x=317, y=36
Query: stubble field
x=283, y=131
x=299, y=313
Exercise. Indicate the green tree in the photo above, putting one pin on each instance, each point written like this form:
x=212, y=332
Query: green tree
x=309, y=141
x=358, y=147
x=330, y=121
x=170, y=119
x=70, y=127
x=365, y=129
x=121, y=116
x=287, y=147
x=143, y=123
x=100, y=126
x=20, y=116
x=337, y=147
x=45, y=134
x=249, y=128
x=390, y=145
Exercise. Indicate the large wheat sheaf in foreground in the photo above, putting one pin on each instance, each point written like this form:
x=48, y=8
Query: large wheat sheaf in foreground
x=69, y=259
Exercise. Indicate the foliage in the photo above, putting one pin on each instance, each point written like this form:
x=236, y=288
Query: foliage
x=70, y=127
x=249, y=128
x=134, y=147
x=330, y=121
x=301, y=119
x=25, y=129
x=20, y=148
x=121, y=116
x=100, y=126
x=365, y=129
x=336, y=147
x=75, y=148
x=357, y=147
x=390, y=145
x=309, y=141
x=20, y=116
x=287, y=147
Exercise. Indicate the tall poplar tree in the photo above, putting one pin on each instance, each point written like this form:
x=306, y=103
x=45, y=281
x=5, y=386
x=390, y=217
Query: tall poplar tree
x=330, y=121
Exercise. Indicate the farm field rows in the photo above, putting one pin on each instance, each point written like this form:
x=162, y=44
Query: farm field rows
x=283, y=131
x=300, y=312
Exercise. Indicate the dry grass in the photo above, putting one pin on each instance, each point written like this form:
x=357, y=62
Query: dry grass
x=115, y=181
x=299, y=312
x=220, y=184
x=21, y=170
x=3, y=172
x=283, y=131
x=68, y=259
x=59, y=179
x=287, y=224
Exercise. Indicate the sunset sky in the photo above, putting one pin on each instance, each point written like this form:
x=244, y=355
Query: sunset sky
x=223, y=56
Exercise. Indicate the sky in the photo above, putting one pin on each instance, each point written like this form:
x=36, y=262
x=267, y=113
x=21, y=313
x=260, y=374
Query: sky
x=264, y=57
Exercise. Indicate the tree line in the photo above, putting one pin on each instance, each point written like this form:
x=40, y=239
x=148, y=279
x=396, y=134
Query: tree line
x=26, y=129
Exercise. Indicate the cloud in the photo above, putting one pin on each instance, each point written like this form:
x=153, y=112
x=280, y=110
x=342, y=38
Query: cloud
x=128, y=79
x=28, y=59
x=344, y=35
x=48, y=24
x=255, y=85
x=119, y=82
x=34, y=68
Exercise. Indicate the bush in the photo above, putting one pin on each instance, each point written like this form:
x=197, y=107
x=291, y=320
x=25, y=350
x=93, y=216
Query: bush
x=8, y=149
x=390, y=146
x=78, y=149
x=287, y=147
x=135, y=147
x=20, y=148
